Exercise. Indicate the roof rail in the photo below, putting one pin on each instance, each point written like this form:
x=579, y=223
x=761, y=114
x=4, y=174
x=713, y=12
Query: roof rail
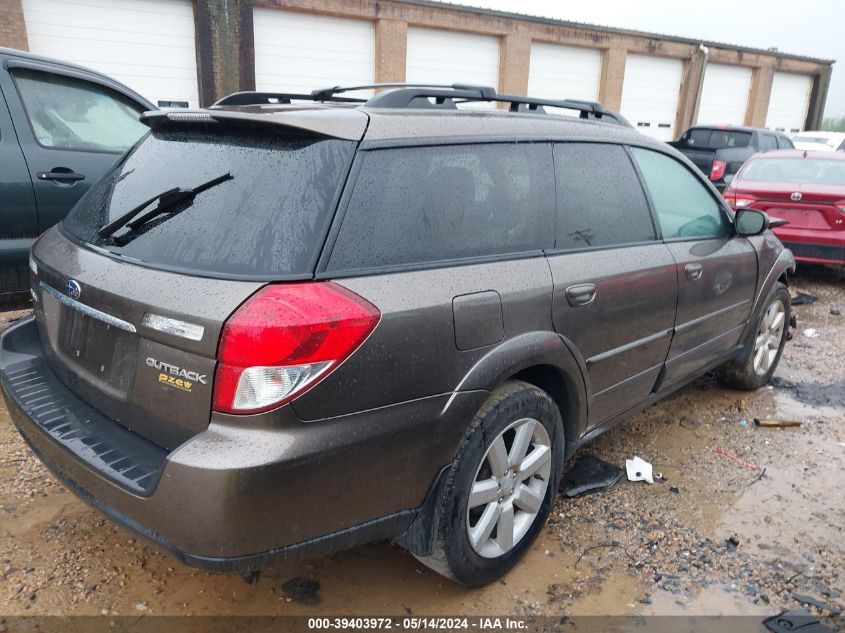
x=438, y=96
x=250, y=97
x=448, y=96
x=326, y=93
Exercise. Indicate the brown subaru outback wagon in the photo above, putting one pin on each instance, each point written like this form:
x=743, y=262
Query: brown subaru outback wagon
x=286, y=325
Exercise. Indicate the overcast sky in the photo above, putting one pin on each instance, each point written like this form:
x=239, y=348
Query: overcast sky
x=815, y=28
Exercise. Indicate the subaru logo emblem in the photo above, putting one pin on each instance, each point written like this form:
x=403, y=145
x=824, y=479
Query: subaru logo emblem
x=73, y=289
x=796, y=196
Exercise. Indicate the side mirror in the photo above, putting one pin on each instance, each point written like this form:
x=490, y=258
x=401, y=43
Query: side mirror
x=750, y=222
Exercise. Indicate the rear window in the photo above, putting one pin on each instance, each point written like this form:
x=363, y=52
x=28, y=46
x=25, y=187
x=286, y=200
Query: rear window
x=717, y=139
x=429, y=204
x=265, y=213
x=804, y=170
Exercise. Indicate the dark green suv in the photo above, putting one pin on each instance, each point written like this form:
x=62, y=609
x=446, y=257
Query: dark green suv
x=62, y=127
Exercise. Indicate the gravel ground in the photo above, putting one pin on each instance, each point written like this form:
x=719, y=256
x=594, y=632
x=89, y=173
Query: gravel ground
x=715, y=537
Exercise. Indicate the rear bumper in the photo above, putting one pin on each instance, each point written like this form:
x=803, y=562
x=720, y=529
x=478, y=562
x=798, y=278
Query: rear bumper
x=808, y=245
x=238, y=497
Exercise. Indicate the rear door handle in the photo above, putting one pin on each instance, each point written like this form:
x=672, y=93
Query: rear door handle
x=693, y=271
x=60, y=174
x=581, y=294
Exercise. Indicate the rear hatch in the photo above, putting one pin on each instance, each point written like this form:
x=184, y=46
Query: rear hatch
x=130, y=315
x=815, y=210
x=809, y=193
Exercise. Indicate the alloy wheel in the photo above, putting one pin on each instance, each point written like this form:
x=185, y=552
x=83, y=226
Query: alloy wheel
x=769, y=336
x=509, y=487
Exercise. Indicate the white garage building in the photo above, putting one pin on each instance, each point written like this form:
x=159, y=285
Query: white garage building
x=146, y=44
x=196, y=51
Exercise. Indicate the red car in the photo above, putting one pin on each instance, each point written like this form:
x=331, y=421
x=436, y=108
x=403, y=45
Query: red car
x=805, y=188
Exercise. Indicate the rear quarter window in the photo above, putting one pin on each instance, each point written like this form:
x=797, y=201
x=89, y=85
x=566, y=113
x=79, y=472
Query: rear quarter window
x=768, y=142
x=429, y=204
x=268, y=219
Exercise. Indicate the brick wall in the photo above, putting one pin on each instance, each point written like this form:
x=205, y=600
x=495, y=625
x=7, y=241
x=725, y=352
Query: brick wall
x=12, y=26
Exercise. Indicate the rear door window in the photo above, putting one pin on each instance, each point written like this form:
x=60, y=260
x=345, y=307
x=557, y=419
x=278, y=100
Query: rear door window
x=684, y=206
x=428, y=204
x=265, y=214
x=600, y=201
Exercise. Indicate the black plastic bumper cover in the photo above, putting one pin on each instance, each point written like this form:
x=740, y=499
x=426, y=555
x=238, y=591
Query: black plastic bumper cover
x=115, y=452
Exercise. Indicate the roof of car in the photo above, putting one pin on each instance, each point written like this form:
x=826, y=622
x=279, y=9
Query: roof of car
x=821, y=134
x=800, y=153
x=732, y=128
x=359, y=122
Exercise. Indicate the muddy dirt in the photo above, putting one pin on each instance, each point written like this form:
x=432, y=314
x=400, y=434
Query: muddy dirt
x=717, y=537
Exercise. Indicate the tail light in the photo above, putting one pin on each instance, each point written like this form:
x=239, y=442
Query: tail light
x=739, y=200
x=841, y=205
x=285, y=339
x=717, y=171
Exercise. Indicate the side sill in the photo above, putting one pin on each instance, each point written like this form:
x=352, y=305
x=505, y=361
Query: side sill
x=600, y=428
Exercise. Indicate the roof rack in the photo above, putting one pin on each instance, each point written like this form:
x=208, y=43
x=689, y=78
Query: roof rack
x=250, y=97
x=437, y=96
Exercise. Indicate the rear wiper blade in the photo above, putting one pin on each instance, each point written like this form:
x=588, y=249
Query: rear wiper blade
x=166, y=199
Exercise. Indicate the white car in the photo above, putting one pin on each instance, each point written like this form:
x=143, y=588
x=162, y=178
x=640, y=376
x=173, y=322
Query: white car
x=824, y=141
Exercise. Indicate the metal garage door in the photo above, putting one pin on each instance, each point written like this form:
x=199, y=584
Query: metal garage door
x=789, y=101
x=146, y=44
x=561, y=72
x=650, y=94
x=447, y=57
x=724, y=96
x=297, y=52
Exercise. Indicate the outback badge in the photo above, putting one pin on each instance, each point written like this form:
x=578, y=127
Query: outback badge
x=73, y=289
x=174, y=376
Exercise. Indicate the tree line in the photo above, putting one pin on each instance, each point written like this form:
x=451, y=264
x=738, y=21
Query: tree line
x=834, y=125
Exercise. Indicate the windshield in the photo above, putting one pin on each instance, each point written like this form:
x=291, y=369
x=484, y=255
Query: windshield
x=267, y=217
x=804, y=170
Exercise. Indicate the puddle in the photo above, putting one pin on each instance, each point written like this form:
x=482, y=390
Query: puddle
x=713, y=600
x=830, y=396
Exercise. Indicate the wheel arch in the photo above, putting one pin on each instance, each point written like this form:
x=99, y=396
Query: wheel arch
x=563, y=391
x=541, y=359
x=780, y=270
x=544, y=360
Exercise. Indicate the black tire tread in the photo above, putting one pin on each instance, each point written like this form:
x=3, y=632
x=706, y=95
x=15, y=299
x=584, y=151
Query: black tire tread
x=739, y=373
x=437, y=560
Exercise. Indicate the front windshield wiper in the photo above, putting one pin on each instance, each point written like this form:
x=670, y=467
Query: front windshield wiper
x=166, y=199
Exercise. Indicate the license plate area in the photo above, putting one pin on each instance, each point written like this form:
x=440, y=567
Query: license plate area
x=801, y=218
x=103, y=354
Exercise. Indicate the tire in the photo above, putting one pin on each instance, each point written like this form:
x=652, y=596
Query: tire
x=515, y=410
x=755, y=367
